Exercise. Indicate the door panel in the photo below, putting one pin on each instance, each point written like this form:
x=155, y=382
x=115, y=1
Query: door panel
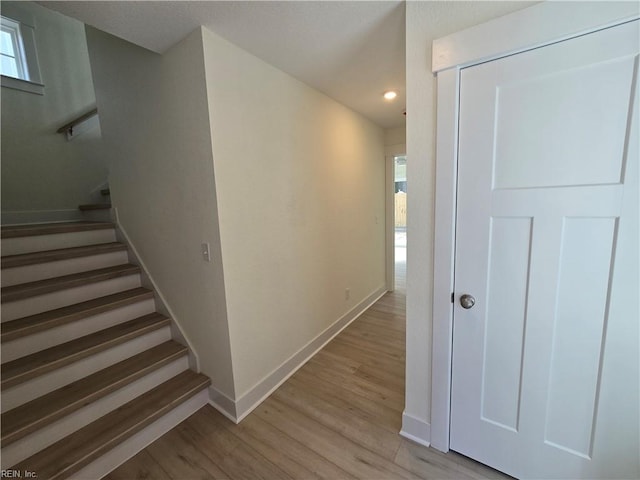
x=561, y=108
x=508, y=277
x=577, y=333
x=545, y=364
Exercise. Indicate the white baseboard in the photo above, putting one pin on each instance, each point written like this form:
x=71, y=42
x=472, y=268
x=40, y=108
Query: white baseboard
x=416, y=429
x=225, y=405
x=257, y=394
x=54, y=432
x=20, y=217
x=124, y=451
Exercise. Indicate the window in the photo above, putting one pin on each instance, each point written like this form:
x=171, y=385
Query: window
x=13, y=63
x=18, y=56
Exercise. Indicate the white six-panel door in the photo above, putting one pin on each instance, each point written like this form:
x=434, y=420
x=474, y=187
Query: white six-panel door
x=546, y=363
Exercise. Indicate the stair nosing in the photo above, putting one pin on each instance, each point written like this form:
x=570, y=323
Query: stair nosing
x=56, y=284
x=71, y=313
x=48, y=256
x=81, y=393
x=74, y=453
x=43, y=365
x=19, y=231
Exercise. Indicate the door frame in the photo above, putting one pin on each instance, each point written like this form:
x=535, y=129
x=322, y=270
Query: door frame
x=391, y=152
x=527, y=29
x=390, y=256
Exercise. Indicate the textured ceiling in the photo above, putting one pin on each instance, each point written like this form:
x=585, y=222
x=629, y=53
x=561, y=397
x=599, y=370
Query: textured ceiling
x=352, y=51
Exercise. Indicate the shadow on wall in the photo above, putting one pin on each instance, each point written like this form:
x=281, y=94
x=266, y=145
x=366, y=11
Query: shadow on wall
x=44, y=176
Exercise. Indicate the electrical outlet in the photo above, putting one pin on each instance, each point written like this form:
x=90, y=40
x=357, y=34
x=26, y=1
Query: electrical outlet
x=206, y=255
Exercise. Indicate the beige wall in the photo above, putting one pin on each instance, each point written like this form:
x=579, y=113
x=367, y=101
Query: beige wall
x=395, y=141
x=156, y=131
x=206, y=143
x=300, y=185
x=41, y=171
x=395, y=136
x=421, y=30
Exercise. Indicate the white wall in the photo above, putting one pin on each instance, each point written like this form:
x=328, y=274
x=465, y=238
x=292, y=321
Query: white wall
x=206, y=143
x=41, y=171
x=395, y=136
x=426, y=21
x=300, y=185
x=395, y=140
x=156, y=130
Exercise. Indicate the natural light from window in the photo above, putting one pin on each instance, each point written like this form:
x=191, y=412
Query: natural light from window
x=12, y=50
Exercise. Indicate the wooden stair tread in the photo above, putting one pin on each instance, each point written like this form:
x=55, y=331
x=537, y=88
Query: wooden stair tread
x=21, y=327
x=32, y=289
x=39, y=363
x=95, y=206
x=77, y=450
x=15, y=231
x=27, y=418
x=118, y=379
x=24, y=259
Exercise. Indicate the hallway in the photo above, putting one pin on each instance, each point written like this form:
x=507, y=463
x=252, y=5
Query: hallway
x=400, y=246
x=338, y=417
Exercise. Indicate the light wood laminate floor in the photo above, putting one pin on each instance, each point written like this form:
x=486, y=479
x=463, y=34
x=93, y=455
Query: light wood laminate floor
x=337, y=418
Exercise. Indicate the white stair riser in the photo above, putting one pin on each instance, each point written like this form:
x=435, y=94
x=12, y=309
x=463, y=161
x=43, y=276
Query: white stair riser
x=40, y=243
x=41, y=271
x=134, y=444
x=40, y=439
x=62, y=298
x=36, y=387
x=70, y=331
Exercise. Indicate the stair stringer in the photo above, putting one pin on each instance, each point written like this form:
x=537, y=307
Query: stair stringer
x=127, y=449
x=162, y=306
x=109, y=460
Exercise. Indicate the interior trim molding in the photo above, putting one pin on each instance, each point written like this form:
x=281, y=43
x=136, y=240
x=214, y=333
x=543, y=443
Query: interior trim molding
x=416, y=429
x=161, y=302
x=122, y=452
x=22, y=85
x=530, y=28
x=265, y=387
x=533, y=27
x=225, y=405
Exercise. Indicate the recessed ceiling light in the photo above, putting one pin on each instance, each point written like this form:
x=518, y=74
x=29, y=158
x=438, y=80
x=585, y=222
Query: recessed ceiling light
x=390, y=95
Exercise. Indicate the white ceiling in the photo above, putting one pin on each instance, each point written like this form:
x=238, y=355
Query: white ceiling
x=352, y=51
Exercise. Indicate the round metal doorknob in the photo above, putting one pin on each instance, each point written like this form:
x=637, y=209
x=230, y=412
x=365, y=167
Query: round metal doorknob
x=467, y=301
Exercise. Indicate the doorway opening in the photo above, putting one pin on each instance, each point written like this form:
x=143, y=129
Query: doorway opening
x=400, y=222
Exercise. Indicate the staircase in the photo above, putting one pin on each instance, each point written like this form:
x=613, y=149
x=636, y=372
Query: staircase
x=100, y=211
x=90, y=373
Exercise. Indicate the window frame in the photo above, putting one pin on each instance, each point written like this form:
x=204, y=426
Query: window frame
x=12, y=27
x=24, y=26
